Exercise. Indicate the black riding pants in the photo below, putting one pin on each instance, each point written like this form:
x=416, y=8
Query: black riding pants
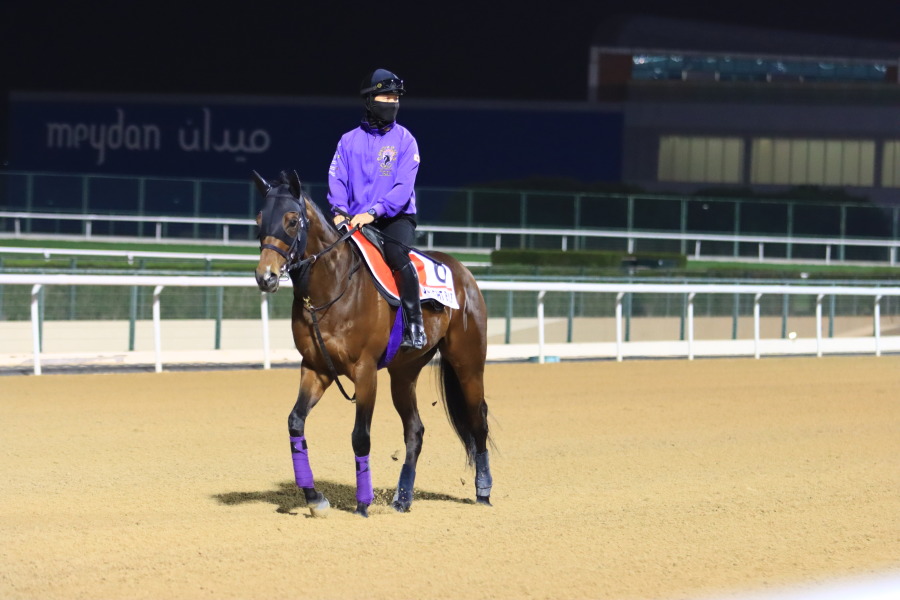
x=399, y=235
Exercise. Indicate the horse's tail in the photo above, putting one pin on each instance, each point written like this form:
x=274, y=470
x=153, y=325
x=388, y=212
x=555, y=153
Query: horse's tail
x=458, y=410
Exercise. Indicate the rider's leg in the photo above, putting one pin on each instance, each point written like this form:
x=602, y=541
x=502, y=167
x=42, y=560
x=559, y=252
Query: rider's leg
x=399, y=235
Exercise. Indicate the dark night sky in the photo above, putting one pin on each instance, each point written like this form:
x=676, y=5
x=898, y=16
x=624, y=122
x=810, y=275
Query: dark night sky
x=450, y=49
x=459, y=49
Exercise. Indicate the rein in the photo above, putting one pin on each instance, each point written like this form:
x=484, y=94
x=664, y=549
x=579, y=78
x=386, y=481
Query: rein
x=314, y=310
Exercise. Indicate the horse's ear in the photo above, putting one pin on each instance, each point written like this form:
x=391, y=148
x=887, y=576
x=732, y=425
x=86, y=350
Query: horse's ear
x=261, y=184
x=294, y=180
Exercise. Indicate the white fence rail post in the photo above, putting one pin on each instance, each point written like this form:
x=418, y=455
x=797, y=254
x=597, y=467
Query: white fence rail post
x=264, y=316
x=36, y=327
x=819, y=298
x=877, y=332
x=157, y=328
x=540, y=319
x=690, y=325
x=756, y=299
x=619, y=297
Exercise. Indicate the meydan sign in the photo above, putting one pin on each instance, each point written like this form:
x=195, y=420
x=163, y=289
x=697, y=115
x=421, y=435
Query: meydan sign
x=171, y=136
x=225, y=137
x=125, y=135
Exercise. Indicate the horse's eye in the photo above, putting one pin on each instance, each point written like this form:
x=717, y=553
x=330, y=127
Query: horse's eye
x=293, y=222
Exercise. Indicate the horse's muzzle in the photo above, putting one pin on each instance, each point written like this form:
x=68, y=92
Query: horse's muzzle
x=267, y=281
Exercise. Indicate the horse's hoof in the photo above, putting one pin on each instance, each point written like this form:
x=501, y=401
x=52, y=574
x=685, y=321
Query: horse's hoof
x=483, y=500
x=320, y=508
x=362, y=510
x=401, y=507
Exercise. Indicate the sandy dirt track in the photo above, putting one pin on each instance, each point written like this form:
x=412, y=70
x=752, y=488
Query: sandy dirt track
x=642, y=479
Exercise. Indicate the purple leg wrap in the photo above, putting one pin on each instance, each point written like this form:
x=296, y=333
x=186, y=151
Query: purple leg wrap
x=364, y=491
x=299, y=452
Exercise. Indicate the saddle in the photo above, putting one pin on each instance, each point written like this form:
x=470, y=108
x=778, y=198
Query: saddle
x=436, y=286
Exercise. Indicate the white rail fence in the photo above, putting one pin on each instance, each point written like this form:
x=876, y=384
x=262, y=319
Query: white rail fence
x=568, y=238
x=541, y=351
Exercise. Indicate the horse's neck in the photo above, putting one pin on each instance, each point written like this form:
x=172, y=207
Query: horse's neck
x=321, y=233
x=337, y=262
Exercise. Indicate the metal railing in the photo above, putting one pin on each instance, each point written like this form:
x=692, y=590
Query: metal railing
x=486, y=239
x=876, y=344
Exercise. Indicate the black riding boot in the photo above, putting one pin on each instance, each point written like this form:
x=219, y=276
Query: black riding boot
x=414, y=328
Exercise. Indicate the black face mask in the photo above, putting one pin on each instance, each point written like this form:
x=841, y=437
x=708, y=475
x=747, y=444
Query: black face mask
x=385, y=112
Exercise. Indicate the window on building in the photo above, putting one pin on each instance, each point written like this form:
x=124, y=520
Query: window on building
x=783, y=161
x=890, y=164
x=728, y=68
x=700, y=159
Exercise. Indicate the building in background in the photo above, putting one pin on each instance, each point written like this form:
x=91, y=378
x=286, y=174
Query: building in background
x=715, y=106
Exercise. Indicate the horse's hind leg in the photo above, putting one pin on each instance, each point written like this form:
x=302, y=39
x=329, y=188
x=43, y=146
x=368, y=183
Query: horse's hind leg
x=312, y=386
x=462, y=379
x=403, y=392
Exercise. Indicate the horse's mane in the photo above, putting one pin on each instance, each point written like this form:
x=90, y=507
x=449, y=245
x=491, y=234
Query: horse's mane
x=284, y=179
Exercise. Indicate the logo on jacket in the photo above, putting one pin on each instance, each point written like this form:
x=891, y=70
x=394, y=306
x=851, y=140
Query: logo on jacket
x=386, y=159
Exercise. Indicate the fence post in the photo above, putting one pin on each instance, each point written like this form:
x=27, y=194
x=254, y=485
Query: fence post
x=619, y=325
x=628, y=300
x=819, y=324
x=157, y=328
x=540, y=318
x=264, y=314
x=785, y=307
x=735, y=315
x=132, y=317
x=509, y=312
x=832, y=300
x=220, y=301
x=35, y=327
x=877, y=317
x=756, y=299
x=690, y=325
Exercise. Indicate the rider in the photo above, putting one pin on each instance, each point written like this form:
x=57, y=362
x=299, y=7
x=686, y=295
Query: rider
x=371, y=178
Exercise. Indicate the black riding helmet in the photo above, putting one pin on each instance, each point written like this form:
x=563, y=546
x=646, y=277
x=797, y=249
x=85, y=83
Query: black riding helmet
x=381, y=115
x=381, y=81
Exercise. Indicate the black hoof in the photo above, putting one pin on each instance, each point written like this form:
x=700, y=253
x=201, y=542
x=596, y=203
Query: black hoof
x=485, y=500
x=362, y=510
x=401, y=507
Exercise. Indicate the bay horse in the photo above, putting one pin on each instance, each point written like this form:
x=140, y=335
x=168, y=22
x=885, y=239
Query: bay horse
x=341, y=326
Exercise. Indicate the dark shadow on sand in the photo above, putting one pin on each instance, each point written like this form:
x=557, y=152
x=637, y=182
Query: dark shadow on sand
x=287, y=498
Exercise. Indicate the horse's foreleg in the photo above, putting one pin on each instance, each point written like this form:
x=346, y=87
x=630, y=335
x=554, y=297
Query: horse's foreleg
x=403, y=392
x=365, y=405
x=312, y=386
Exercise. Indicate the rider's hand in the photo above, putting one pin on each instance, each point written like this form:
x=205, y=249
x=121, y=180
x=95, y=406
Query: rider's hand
x=361, y=219
x=340, y=220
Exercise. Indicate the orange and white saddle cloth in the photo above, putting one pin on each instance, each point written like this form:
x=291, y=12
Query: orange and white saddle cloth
x=435, y=279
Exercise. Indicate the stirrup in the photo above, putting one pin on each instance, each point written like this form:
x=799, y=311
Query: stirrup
x=414, y=337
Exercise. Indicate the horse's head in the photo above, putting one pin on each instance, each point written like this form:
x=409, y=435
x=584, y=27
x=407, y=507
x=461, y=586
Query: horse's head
x=283, y=228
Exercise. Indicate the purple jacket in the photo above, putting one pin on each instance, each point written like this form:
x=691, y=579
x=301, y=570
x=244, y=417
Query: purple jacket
x=374, y=170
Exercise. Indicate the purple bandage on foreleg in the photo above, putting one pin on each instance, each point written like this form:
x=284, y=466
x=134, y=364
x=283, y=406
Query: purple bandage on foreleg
x=364, y=491
x=299, y=452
